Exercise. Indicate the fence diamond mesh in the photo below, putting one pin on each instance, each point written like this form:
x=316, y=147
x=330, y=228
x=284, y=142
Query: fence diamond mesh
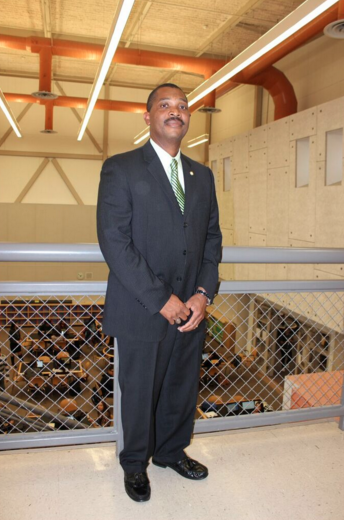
x=272, y=352
x=263, y=352
x=57, y=366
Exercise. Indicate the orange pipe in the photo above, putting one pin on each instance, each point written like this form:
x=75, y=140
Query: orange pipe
x=341, y=10
x=76, y=102
x=45, y=62
x=49, y=115
x=272, y=80
x=89, y=51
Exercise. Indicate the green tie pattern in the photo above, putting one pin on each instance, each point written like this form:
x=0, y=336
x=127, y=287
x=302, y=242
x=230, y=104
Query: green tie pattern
x=176, y=186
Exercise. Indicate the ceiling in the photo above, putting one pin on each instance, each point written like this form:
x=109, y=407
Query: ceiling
x=207, y=28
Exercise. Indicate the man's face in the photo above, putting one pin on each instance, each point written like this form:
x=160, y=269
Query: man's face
x=169, y=116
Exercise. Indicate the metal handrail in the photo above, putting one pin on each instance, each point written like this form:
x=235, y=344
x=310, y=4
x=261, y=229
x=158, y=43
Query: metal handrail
x=32, y=252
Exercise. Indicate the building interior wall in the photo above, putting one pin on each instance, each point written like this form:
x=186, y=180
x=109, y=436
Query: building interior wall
x=262, y=207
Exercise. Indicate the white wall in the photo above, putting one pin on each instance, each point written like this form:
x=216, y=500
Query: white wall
x=316, y=71
x=15, y=171
x=265, y=208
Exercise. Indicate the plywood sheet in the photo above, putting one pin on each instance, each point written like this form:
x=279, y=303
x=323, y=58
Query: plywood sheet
x=241, y=272
x=330, y=117
x=303, y=124
x=240, y=154
x=227, y=237
x=300, y=271
x=302, y=208
x=226, y=210
x=257, y=271
x=329, y=211
x=4, y=223
x=226, y=149
x=76, y=224
x=21, y=223
x=277, y=211
x=241, y=210
x=258, y=138
x=48, y=223
x=257, y=191
x=278, y=143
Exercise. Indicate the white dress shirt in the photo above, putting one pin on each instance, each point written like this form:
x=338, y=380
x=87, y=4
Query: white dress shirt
x=166, y=159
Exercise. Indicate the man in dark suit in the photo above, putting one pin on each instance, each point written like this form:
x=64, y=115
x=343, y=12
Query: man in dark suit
x=159, y=233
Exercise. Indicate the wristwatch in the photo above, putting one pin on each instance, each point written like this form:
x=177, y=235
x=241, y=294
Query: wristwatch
x=200, y=291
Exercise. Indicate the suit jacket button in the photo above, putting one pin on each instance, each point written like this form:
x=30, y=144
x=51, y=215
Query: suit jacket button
x=185, y=224
x=179, y=279
x=184, y=252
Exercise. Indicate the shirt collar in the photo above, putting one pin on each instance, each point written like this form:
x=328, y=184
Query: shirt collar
x=164, y=156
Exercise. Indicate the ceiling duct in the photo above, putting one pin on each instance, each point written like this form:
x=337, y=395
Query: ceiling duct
x=335, y=30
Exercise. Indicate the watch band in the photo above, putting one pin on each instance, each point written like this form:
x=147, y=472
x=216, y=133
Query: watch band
x=199, y=291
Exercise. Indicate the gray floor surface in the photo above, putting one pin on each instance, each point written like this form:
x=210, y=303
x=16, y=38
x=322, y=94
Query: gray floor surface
x=291, y=472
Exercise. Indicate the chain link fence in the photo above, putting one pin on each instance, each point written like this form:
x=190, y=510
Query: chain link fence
x=269, y=357
x=272, y=352
x=57, y=367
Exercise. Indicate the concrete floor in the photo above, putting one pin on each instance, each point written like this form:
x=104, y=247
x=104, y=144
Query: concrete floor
x=290, y=472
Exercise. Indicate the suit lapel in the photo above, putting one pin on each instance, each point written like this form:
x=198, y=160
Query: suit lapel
x=156, y=169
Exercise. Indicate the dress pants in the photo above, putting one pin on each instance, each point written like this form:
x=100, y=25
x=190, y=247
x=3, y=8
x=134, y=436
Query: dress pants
x=159, y=385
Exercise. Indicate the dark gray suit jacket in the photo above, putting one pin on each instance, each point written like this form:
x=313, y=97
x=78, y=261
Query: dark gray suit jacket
x=153, y=250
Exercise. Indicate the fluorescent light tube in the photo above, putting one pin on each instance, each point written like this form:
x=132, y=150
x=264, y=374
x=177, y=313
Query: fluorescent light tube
x=121, y=17
x=304, y=14
x=198, y=140
x=5, y=107
x=138, y=138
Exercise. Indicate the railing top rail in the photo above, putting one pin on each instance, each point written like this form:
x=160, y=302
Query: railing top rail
x=30, y=252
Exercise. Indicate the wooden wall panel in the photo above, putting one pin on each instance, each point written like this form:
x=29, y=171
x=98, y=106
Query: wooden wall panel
x=76, y=228
x=302, y=200
x=303, y=124
x=330, y=117
x=49, y=223
x=257, y=191
x=241, y=185
x=278, y=143
x=258, y=138
x=4, y=223
x=300, y=271
x=329, y=211
x=226, y=149
x=257, y=271
x=240, y=154
x=21, y=223
x=277, y=207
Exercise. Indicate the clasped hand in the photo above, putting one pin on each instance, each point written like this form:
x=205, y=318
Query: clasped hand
x=175, y=309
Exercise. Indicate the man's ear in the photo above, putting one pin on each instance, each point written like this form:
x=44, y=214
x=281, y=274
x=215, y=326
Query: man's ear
x=146, y=117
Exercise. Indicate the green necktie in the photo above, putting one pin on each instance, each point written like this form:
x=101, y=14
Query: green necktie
x=178, y=190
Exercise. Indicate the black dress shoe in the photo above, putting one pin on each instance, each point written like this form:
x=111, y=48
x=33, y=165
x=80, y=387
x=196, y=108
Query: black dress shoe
x=137, y=486
x=186, y=467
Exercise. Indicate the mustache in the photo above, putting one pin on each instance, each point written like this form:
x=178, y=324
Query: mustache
x=174, y=119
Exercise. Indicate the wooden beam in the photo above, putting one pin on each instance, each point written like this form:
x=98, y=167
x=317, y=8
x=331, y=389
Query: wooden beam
x=46, y=15
x=79, y=118
x=67, y=182
x=137, y=22
x=229, y=24
x=106, y=126
x=51, y=155
x=19, y=118
x=32, y=180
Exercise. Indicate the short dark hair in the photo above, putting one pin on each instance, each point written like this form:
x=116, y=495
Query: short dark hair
x=153, y=93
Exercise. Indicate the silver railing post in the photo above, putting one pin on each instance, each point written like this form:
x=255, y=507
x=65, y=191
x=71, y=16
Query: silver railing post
x=341, y=418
